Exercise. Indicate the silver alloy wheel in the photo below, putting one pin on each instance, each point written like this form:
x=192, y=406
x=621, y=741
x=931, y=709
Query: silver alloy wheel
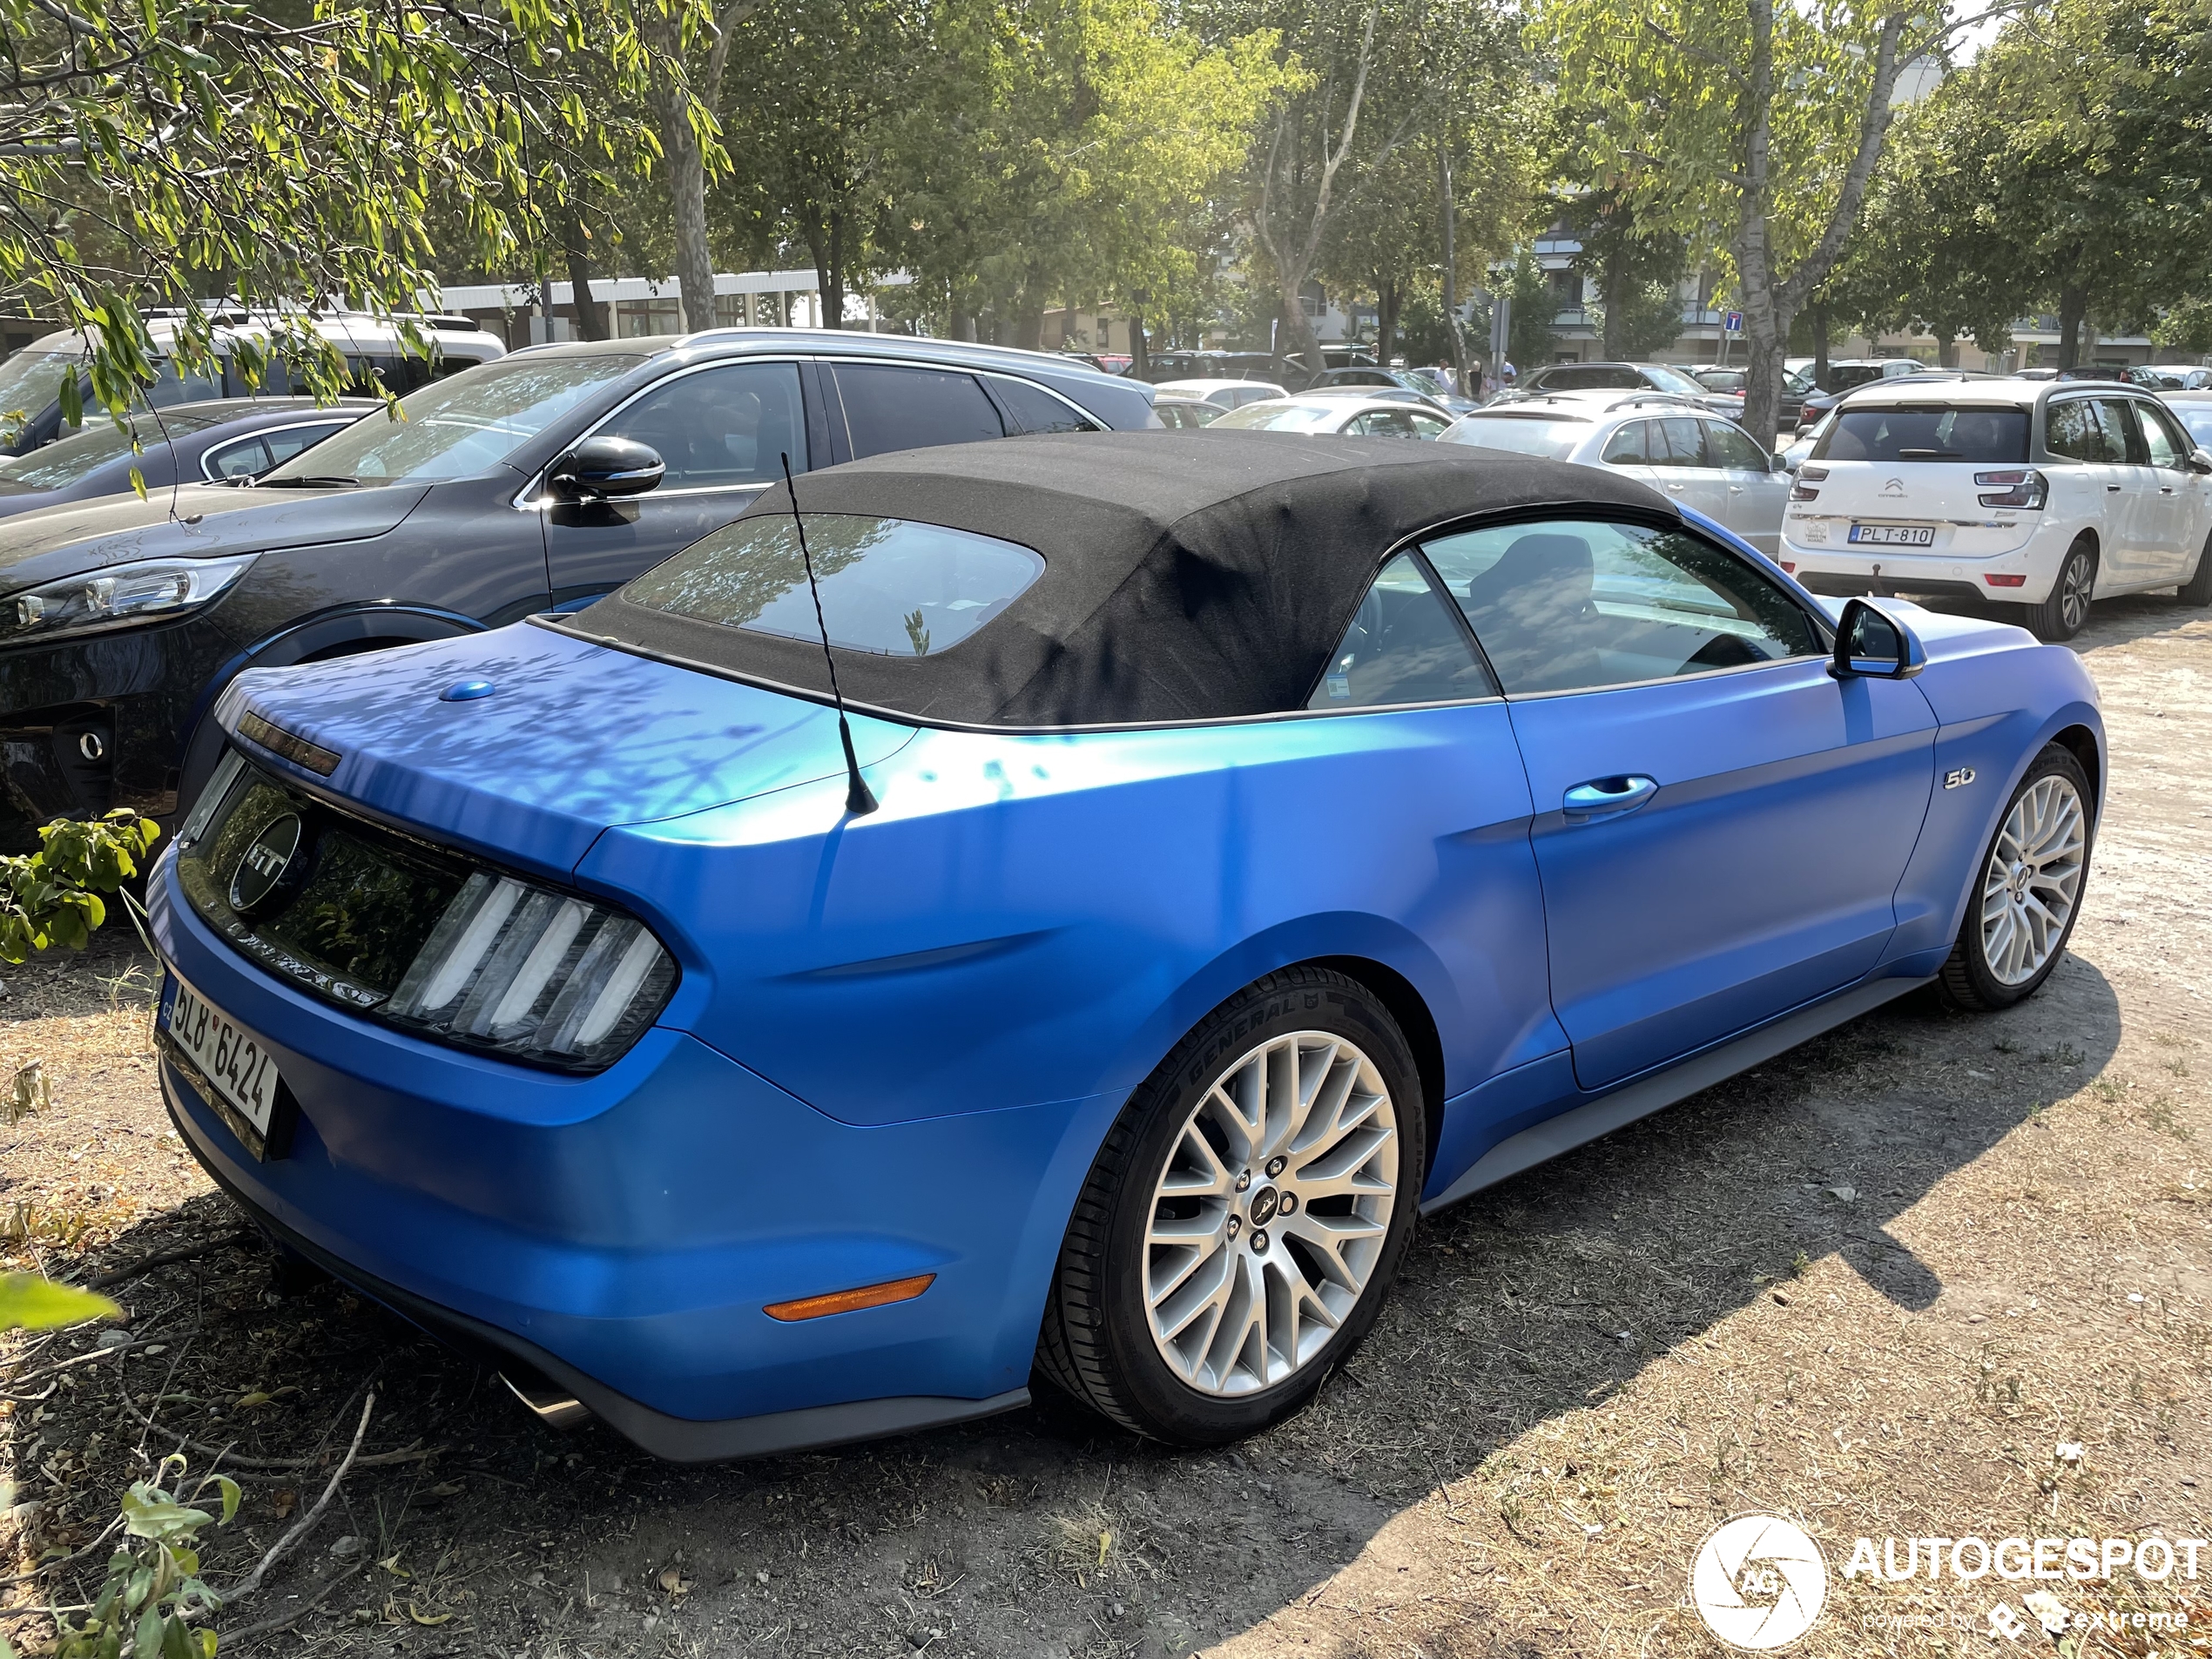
x=2034, y=880
x=1269, y=1215
x=2075, y=582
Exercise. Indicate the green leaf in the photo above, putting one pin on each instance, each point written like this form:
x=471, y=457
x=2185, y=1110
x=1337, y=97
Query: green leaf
x=150, y=1512
x=31, y=1303
x=145, y=1641
x=229, y=1489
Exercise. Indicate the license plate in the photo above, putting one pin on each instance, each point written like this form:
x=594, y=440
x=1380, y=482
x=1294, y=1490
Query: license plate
x=228, y=1059
x=1893, y=534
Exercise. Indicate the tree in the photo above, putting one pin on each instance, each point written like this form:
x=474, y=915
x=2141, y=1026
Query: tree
x=691, y=43
x=1629, y=262
x=284, y=156
x=1754, y=126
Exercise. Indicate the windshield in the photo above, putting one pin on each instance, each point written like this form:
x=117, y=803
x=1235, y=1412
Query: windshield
x=1523, y=434
x=28, y=381
x=1277, y=414
x=459, y=426
x=888, y=585
x=60, y=465
x=1923, y=433
x=1669, y=379
x=2197, y=417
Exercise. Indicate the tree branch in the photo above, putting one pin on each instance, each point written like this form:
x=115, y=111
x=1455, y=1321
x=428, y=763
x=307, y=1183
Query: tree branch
x=306, y=1524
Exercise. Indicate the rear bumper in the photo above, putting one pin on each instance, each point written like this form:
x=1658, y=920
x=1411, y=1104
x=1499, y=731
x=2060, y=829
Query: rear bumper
x=620, y=1235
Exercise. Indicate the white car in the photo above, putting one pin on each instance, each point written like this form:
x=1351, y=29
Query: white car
x=1223, y=394
x=2041, y=494
x=1334, y=412
x=1688, y=453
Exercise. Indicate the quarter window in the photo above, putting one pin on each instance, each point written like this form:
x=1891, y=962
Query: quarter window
x=1404, y=645
x=1626, y=446
x=1577, y=603
x=1034, y=409
x=720, y=428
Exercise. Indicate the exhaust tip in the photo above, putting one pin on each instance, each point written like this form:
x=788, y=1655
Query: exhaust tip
x=549, y=1405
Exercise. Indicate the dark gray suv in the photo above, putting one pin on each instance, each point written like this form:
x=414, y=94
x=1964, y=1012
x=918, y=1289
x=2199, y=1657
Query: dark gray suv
x=516, y=487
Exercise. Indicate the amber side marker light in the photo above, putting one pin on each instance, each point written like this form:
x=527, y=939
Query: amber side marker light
x=868, y=1296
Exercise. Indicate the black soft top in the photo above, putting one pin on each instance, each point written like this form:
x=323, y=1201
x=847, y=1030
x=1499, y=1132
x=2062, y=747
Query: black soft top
x=1188, y=576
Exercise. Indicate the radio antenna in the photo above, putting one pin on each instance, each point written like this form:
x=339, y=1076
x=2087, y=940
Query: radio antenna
x=858, y=799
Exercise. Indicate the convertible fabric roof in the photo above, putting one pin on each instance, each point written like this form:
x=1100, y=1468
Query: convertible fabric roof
x=1188, y=576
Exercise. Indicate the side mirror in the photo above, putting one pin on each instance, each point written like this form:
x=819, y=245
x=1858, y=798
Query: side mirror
x=1872, y=644
x=602, y=469
x=2200, y=459
x=1779, y=462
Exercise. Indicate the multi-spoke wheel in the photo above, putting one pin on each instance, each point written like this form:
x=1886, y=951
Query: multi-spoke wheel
x=2029, y=891
x=1246, y=1217
x=2066, y=607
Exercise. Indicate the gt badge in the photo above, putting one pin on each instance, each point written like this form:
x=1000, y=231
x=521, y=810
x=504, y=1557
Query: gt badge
x=1957, y=776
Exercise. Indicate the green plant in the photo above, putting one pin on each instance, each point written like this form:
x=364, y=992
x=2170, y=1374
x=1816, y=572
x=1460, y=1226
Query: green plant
x=53, y=896
x=153, y=1582
x=30, y=1303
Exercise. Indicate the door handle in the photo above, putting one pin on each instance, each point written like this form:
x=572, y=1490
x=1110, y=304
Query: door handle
x=2112, y=489
x=1676, y=488
x=1736, y=490
x=1607, y=797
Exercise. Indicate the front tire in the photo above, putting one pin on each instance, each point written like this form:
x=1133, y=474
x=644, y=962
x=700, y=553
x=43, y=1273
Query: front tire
x=2027, y=895
x=1243, y=1221
x=2066, y=607
x=2197, y=590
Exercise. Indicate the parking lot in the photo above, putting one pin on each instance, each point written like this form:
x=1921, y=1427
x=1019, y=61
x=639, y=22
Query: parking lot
x=1875, y=1286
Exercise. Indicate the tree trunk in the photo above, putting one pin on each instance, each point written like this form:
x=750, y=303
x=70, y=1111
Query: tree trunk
x=2073, y=303
x=1764, y=348
x=1028, y=325
x=694, y=262
x=1140, y=354
x=1452, y=317
x=590, y=321
x=1386, y=306
x=1295, y=336
x=1820, y=344
x=1947, y=348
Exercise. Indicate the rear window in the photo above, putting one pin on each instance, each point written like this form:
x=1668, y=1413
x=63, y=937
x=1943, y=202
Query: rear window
x=889, y=585
x=1925, y=433
x=1522, y=434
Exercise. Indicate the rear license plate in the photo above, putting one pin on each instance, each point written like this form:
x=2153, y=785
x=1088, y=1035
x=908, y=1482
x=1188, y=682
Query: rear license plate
x=1893, y=534
x=236, y=1073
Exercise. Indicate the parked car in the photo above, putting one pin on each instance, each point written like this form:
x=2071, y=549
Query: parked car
x=1221, y=393
x=2193, y=409
x=1733, y=382
x=229, y=441
x=1815, y=405
x=2041, y=495
x=1186, y=413
x=1698, y=460
x=1167, y=366
x=1619, y=377
x=1383, y=381
x=30, y=409
x=516, y=980
x=516, y=487
x=2172, y=377
x=1339, y=413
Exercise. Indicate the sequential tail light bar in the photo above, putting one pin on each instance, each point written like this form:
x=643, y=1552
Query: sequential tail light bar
x=868, y=1296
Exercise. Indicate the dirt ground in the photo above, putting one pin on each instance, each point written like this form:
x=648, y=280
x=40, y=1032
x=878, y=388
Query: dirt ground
x=1928, y=1276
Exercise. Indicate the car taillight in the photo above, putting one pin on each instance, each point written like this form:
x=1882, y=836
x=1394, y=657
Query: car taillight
x=536, y=974
x=2006, y=581
x=1806, y=477
x=2025, y=487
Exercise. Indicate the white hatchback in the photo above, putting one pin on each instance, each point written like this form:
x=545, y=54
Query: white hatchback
x=2040, y=493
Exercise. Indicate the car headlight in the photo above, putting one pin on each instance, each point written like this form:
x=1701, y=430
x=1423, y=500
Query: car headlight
x=151, y=591
x=534, y=972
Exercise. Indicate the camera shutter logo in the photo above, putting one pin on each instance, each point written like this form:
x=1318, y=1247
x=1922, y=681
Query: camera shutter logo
x=1759, y=1581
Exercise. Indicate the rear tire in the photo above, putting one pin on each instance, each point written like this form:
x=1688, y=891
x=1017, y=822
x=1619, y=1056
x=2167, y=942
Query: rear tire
x=2197, y=590
x=2027, y=892
x=2061, y=614
x=1232, y=1244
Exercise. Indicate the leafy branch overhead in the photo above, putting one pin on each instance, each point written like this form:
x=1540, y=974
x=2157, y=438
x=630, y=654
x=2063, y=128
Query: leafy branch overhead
x=284, y=157
x=53, y=896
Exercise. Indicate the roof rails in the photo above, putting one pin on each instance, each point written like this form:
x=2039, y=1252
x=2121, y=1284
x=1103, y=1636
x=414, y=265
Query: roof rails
x=1679, y=399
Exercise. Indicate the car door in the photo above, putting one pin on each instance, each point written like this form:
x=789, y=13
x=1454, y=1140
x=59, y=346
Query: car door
x=1720, y=825
x=721, y=430
x=1681, y=466
x=2093, y=485
x=2174, y=499
x=1629, y=449
x=2135, y=503
x=1757, y=494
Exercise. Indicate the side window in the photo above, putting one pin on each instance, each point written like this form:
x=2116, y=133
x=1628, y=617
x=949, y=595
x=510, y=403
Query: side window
x=1403, y=646
x=289, y=443
x=247, y=458
x=1625, y=448
x=1579, y=603
x=888, y=409
x=1034, y=409
x=1734, y=449
x=2122, y=442
x=721, y=429
x=2164, y=444
x=1427, y=426
x=1385, y=423
x=1684, y=439
x=2071, y=430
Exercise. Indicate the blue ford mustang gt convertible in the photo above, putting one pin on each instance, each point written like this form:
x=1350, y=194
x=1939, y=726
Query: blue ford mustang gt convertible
x=1248, y=842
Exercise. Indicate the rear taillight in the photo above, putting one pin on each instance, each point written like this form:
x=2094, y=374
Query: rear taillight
x=2025, y=487
x=2006, y=581
x=1808, y=475
x=539, y=974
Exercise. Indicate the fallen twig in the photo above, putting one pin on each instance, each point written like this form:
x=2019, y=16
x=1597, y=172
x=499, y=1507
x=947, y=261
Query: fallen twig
x=155, y=1339
x=308, y=1604
x=163, y=1258
x=239, y=1460
x=306, y=1524
x=24, y=1578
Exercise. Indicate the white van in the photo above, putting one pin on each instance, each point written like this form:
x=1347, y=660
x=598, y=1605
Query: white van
x=2043, y=495
x=30, y=410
